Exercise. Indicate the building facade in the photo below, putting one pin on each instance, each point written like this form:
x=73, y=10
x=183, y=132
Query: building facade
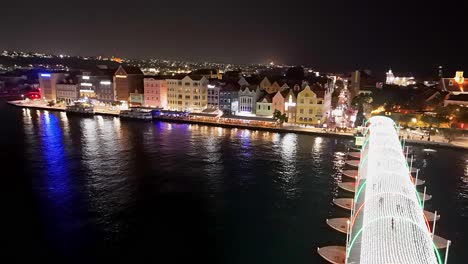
x=127, y=80
x=290, y=106
x=248, y=96
x=264, y=106
x=187, y=94
x=213, y=96
x=278, y=101
x=155, y=92
x=399, y=80
x=309, y=109
x=68, y=90
x=229, y=99
x=48, y=85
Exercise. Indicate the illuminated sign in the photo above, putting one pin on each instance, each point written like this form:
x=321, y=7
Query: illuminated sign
x=45, y=75
x=120, y=76
x=86, y=84
x=86, y=91
x=85, y=77
x=105, y=82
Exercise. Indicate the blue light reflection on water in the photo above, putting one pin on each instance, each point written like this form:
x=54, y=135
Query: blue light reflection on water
x=140, y=183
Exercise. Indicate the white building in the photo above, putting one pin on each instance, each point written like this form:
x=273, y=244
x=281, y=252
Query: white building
x=397, y=80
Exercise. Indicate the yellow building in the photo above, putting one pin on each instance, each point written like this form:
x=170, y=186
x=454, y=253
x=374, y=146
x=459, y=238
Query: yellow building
x=187, y=94
x=310, y=107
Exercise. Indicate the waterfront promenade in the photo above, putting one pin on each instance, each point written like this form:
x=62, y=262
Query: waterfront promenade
x=435, y=141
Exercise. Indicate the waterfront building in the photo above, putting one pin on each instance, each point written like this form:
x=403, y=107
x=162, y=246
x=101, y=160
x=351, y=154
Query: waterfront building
x=284, y=87
x=404, y=80
x=290, y=105
x=229, y=98
x=187, y=93
x=278, y=101
x=67, y=90
x=248, y=96
x=310, y=106
x=127, y=80
x=265, y=106
x=48, y=84
x=155, y=91
x=213, y=95
x=105, y=89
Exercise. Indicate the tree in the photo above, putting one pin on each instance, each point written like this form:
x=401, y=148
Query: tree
x=281, y=118
x=361, y=99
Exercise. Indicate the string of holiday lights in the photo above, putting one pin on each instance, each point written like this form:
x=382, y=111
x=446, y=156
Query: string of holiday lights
x=387, y=221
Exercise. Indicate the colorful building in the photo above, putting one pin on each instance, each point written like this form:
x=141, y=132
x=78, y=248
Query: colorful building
x=278, y=101
x=309, y=107
x=155, y=94
x=265, y=106
x=127, y=80
x=187, y=93
x=229, y=98
x=248, y=96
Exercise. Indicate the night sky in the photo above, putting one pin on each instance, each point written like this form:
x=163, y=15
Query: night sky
x=408, y=36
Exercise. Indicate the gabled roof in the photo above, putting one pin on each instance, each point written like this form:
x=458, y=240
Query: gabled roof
x=130, y=69
x=267, y=97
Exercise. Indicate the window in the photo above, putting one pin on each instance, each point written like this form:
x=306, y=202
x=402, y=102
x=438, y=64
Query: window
x=450, y=83
x=268, y=107
x=187, y=97
x=301, y=111
x=258, y=107
x=310, y=111
x=302, y=101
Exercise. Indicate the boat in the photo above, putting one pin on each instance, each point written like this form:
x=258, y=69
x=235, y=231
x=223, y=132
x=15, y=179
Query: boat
x=80, y=108
x=137, y=113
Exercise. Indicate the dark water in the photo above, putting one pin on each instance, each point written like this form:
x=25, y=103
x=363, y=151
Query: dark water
x=86, y=189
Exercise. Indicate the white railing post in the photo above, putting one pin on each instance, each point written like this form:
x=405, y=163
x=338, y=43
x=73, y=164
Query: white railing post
x=416, y=181
x=424, y=197
x=447, y=251
x=411, y=166
x=434, y=225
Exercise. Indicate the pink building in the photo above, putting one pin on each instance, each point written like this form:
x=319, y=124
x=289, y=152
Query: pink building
x=278, y=101
x=155, y=92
